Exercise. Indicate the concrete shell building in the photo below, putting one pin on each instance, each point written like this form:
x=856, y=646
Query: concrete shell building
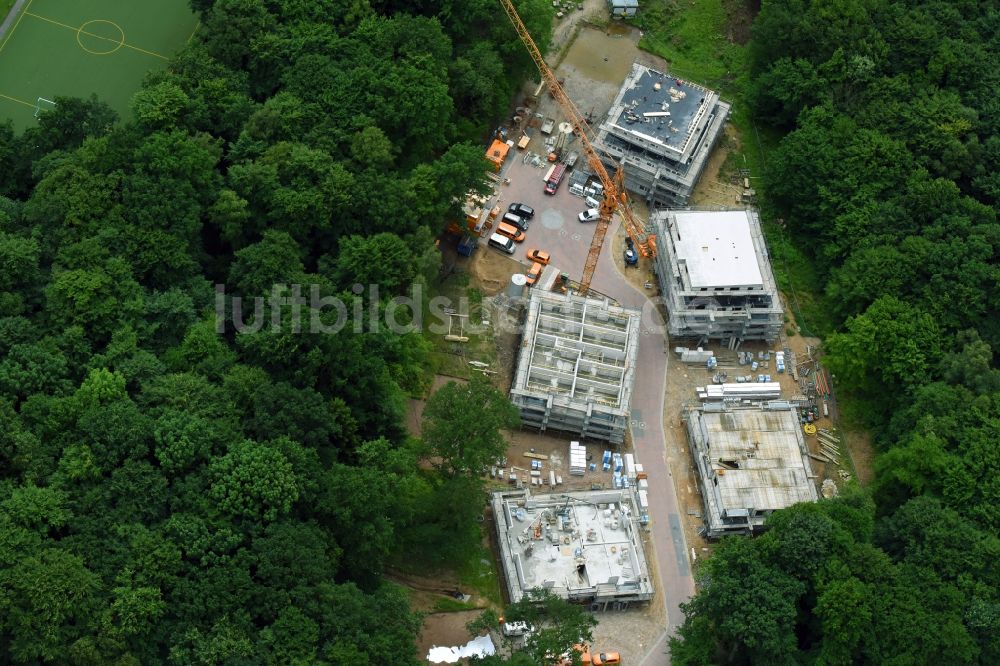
x=581, y=546
x=715, y=275
x=662, y=129
x=751, y=462
x=576, y=367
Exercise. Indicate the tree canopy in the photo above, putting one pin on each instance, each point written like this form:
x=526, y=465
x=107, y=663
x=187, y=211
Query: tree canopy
x=886, y=178
x=176, y=489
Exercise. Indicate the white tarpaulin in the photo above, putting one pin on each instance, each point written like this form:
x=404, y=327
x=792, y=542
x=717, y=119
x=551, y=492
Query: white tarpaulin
x=477, y=647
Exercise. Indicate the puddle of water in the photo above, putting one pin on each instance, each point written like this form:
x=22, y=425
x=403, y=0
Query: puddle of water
x=619, y=29
x=601, y=57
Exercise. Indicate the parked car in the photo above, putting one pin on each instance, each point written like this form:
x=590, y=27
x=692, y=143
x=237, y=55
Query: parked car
x=541, y=256
x=521, y=210
x=518, y=221
x=631, y=256
x=514, y=629
x=589, y=215
x=534, y=273
x=510, y=231
x=502, y=243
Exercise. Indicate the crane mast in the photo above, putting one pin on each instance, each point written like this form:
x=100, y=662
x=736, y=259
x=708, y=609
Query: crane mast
x=615, y=197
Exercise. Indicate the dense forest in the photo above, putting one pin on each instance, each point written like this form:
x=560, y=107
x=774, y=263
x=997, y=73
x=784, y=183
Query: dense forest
x=173, y=495
x=889, y=176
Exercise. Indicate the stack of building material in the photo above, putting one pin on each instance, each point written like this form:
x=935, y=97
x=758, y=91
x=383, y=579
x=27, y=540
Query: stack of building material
x=750, y=391
x=606, y=461
x=698, y=355
x=829, y=445
x=630, y=465
x=618, y=478
x=779, y=361
x=577, y=459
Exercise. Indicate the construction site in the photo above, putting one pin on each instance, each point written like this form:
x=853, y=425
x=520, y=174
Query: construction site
x=715, y=276
x=661, y=130
x=582, y=546
x=752, y=461
x=596, y=321
x=576, y=366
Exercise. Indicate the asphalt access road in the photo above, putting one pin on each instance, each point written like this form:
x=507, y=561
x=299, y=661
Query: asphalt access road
x=555, y=228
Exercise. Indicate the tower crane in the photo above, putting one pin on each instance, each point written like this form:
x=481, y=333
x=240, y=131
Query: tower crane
x=615, y=197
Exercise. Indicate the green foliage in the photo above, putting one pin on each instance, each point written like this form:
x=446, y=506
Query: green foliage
x=895, y=340
x=48, y=602
x=462, y=424
x=383, y=259
x=175, y=491
x=883, y=186
x=255, y=481
x=558, y=625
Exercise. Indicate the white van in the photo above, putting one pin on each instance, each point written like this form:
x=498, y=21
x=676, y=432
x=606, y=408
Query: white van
x=512, y=629
x=501, y=242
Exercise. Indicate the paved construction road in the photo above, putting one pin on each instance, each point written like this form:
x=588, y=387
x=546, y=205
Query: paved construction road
x=555, y=228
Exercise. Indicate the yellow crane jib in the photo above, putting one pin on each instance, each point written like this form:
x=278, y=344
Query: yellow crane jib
x=615, y=198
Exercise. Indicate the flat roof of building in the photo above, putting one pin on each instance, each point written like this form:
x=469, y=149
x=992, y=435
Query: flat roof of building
x=757, y=459
x=579, y=545
x=662, y=108
x=717, y=248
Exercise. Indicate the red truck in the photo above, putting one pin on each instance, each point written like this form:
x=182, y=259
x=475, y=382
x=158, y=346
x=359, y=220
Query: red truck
x=552, y=184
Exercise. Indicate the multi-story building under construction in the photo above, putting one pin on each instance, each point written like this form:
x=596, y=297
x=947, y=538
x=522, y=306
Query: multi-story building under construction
x=715, y=276
x=576, y=366
x=662, y=129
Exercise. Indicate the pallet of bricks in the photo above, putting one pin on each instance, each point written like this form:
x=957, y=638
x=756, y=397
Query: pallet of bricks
x=577, y=459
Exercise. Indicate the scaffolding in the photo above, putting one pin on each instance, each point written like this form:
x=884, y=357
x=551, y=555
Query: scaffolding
x=751, y=462
x=715, y=276
x=576, y=366
x=662, y=130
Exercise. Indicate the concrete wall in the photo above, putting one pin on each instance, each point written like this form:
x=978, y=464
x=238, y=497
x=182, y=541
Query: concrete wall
x=576, y=366
x=741, y=314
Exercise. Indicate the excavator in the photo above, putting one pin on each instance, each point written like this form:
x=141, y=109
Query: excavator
x=615, y=198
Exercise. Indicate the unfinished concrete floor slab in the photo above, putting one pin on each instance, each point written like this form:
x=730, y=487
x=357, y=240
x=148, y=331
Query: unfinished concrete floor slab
x=581, y=546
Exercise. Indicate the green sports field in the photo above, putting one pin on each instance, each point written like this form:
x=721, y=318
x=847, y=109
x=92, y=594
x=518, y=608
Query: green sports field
x=78, y=47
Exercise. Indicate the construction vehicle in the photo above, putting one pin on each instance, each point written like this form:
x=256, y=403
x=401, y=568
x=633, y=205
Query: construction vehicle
x=587, y=658
x=615, y=197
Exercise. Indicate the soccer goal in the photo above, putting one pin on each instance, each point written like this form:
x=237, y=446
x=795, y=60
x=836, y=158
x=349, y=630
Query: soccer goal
x=43, y=104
